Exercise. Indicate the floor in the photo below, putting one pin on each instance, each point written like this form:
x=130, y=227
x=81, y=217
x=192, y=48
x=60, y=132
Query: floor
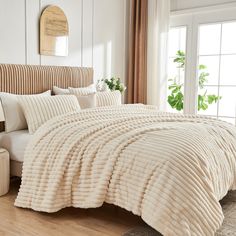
x=107, y=220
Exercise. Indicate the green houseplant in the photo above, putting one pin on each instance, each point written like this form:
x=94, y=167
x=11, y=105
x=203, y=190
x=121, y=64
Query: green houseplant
x=176, y=97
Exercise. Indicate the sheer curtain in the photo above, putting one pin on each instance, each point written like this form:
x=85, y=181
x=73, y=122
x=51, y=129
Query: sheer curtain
x=157, y=52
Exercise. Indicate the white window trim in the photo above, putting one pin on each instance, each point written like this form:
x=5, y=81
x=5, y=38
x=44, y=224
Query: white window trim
x=191, y=19
x=205, y=9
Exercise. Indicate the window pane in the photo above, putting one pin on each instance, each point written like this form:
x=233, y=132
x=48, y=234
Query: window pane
x=182, y=40
x=227, y=104
x=177, y=40
x=211, y=64
x=209, y=39
x=212, y=108
x=173, y=42
x=228, y=70
x=229, y=38
x=176, y=68
x=173, y=71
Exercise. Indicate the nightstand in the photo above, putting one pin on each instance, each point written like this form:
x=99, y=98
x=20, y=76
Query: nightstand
x=4, y=171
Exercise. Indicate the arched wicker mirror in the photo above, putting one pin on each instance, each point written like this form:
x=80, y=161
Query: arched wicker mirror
x=54, y=32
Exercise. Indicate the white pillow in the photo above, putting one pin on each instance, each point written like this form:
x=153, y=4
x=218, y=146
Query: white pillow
x=80, y=91
x=60, y=91
x=84, y=90
x=108, y=98
x=39, y=109
x=14, y=116
x=87, y=101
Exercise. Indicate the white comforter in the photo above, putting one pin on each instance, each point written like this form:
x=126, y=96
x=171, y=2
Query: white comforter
x=170, y=169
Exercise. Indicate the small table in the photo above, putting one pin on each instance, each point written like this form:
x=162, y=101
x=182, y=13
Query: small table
x=4, y=171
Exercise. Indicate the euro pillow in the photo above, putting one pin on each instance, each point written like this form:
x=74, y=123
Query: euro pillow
x=80, y=91
x=109, y=98
x=14, y=116
x=39, y=109
x=83, y=90
x=60, y=91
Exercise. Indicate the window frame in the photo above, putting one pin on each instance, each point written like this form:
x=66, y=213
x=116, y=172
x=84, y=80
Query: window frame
x=192, y=19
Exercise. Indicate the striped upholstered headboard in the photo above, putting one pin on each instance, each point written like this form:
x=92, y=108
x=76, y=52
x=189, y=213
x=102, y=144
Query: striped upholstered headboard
x=28, y=79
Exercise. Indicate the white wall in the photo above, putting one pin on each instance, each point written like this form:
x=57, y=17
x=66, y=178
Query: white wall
x=188, y=4
x=97, y=34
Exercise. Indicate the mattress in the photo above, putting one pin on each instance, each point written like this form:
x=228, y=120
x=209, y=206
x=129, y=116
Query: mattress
x=15, y=142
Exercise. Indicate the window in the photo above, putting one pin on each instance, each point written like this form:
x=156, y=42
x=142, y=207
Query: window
x=176, y=69
x=217, y=52
x=209, y=73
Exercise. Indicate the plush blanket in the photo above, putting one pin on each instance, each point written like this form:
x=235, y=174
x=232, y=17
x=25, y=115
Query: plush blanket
x=170, y=169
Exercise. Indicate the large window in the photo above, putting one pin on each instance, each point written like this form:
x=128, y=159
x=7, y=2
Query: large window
x=207, y=48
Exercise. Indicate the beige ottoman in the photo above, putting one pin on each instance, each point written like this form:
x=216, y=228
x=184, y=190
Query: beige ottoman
x=4, y=171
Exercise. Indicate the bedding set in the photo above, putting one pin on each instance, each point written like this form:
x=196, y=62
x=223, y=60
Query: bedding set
x=170, y=169
x=16, y=135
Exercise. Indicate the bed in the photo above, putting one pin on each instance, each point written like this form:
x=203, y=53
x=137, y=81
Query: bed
x=170, y=169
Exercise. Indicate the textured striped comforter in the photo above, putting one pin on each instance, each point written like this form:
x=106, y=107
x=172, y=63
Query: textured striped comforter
x=170, y=169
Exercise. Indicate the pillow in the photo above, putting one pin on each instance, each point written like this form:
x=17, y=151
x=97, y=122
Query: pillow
x=39, y=109
x=14, y=116
x=80, y=91
x=108, y=98
x=60, y=91
x=83, y=91
x=87, y=101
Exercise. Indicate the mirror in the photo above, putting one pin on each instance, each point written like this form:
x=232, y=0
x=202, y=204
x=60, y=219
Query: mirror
x=54, y=32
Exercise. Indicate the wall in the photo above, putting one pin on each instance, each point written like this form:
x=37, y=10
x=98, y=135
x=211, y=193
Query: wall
x=97, y=34
x=188, y=4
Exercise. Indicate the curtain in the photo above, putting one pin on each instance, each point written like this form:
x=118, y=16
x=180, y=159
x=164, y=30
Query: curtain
x=157, y=52
x=137, y=54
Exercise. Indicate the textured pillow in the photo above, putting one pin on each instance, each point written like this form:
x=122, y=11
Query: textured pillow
x=108, y=98
x=60, y=91
x=80, y=91
x=87, y=101
x=39, y=109
x=83, y=91
x=14, y=116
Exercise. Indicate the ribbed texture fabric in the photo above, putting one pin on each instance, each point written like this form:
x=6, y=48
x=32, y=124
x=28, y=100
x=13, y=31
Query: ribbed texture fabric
x=38, y=110
x=108, y=98
x=170, y=169
x=13, y=113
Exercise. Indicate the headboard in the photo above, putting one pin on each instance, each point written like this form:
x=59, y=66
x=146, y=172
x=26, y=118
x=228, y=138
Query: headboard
x=29, y=79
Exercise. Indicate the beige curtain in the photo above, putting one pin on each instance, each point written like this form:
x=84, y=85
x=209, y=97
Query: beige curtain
x=137, y=56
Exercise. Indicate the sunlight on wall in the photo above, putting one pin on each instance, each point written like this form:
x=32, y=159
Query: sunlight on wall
x=102, y=54
x=108, y=59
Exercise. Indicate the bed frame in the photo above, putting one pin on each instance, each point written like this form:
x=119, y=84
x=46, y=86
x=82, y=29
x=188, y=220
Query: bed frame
x=32, y=79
